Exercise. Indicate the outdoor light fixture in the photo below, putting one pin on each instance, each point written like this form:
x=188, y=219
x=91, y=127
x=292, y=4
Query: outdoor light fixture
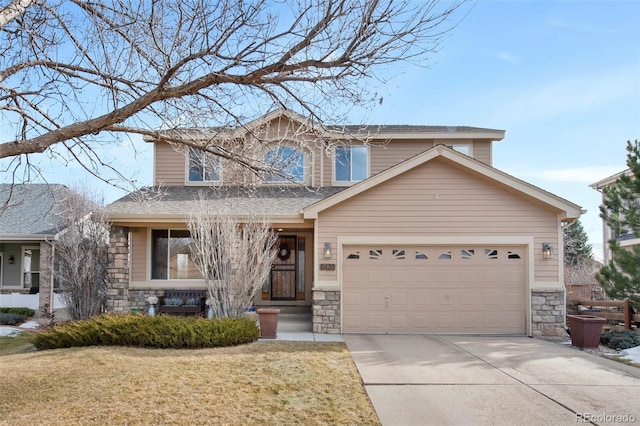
x=11, y=259
x=327, y=250
x=547, y=251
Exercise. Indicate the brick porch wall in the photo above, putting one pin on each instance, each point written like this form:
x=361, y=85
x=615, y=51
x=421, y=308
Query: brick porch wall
x=548, y=312
x=326, y=311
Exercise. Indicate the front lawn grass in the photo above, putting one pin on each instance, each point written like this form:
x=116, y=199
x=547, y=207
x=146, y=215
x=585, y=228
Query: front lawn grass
x=22, y=342
x=264, y=383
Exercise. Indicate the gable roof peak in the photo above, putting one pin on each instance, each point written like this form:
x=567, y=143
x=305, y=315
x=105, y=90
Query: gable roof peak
x=567, y=209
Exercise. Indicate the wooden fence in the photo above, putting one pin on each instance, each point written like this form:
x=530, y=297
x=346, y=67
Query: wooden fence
x=614, y=310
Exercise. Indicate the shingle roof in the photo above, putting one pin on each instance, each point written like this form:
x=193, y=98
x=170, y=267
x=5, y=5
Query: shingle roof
x=407, y=128
x=30, y=209
x=180, y=201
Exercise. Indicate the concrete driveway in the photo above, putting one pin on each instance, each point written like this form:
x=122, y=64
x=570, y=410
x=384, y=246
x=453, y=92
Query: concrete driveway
x=471, y=380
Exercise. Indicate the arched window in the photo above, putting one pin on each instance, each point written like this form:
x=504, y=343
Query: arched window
x=287, y=163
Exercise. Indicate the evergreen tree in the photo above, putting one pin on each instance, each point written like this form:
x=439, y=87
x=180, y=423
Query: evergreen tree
x=577, y=250
x=620, y=210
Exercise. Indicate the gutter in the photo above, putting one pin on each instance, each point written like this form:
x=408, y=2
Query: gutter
x=22, y=237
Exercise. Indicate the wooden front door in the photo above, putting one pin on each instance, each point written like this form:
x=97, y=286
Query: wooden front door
x=284, y=269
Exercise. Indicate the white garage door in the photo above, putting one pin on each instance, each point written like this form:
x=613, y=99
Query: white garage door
x=429, y=289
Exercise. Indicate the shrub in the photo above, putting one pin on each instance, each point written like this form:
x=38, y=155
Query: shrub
x=11, y=318
x=160, y=332
x=20, y=311
x=620, y=339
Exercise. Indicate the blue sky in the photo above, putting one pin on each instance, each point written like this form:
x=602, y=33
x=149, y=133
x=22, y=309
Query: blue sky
x=561, y=77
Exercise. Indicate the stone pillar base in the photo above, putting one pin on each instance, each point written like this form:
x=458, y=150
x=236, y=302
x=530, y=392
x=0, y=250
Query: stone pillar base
x=548, y=313
x=326, y=311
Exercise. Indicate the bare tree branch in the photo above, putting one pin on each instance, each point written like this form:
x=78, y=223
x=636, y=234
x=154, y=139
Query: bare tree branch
x=81, y=255
x=233, y=256
x=13, y=10
x=71, y=70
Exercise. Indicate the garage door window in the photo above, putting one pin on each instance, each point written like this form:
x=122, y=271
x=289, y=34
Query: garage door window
x=513, y=255
x=445, y=256
x=491, y=253
x=353, y=256
x=398, y=254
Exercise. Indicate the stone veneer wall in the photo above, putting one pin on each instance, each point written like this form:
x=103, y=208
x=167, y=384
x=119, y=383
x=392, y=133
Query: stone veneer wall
x=326, y=311
x=118, y=285
x=138, y=297
x=548, y=312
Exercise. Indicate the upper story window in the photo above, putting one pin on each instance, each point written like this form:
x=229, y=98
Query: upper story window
x=463, y=148
x=351, y=163
x=203, y=166
x=287, y=163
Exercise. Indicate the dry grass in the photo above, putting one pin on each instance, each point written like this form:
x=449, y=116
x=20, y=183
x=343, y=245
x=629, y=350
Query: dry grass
x=16, y=344
x=261, y=383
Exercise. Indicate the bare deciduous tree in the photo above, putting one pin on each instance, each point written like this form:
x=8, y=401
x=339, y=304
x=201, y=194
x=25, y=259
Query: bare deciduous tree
x=234, y=257
x=81, y=256
x=74, y=74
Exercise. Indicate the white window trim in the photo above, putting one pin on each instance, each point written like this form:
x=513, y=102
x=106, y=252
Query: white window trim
x=461, y=144
x=307, y=164
x=150, y=260
x=22, y=249
x=187, y=161
x=335, y=182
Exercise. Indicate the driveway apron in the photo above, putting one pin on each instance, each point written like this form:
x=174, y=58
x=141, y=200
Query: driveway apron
x=474, y=380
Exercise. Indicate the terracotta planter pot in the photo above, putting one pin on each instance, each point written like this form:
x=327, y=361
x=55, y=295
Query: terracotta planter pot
x=268, y=318
x=585, y=330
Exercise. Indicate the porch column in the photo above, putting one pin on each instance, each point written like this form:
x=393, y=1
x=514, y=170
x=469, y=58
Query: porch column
x=45, y=282
x=118, y=270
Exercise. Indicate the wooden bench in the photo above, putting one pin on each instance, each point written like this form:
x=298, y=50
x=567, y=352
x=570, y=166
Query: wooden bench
x=182, y=302
x=611, y=310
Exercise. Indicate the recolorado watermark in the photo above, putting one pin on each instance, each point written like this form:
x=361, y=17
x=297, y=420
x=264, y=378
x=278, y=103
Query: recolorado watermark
x=605, y=418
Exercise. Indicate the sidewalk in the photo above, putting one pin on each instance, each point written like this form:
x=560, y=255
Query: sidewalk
x=293, y=336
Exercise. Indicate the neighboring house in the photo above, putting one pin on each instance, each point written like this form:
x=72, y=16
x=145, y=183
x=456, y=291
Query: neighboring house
x=398, y=229
x=29, y=222
x=627, y=239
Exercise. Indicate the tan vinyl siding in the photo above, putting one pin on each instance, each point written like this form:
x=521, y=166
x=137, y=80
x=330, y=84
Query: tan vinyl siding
x=440, y=200
x=327, y=167
x=139, y=244
x=385, y=155
x=169, y=165
x=482, y=151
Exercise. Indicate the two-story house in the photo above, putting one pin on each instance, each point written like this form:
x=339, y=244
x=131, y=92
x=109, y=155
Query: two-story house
x=382, y=229
x=627, y=239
